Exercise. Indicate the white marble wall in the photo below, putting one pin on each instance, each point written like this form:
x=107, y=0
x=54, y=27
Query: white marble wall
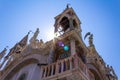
x=32, y=71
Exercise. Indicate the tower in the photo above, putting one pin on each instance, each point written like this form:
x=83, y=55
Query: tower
x=66, y=57
x=70, y=58
x=69, y=50
x=68, y=30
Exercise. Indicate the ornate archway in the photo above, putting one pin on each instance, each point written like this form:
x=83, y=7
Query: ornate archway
x=31, y=59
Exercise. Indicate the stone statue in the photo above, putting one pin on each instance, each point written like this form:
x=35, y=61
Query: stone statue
x=35, y=35
x=67, y=6
x=90, y=38
x=113, y=73
x=33, y=40
x=41, y=42
x=108, y=71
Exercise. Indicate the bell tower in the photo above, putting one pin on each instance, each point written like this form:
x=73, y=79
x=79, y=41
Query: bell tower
x=67, y=21
x=68, y=39
x=66, y=57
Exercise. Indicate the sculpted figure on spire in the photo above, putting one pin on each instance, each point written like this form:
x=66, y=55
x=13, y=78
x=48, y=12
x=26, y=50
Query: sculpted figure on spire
x=34, y=40
x=35, y=35
x=90, y=38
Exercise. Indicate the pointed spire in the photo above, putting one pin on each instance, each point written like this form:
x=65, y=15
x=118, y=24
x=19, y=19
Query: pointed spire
x=35, y=35
x=23, y=42
x=33, y=39
x=11, y=52
x=3, y=53
x=19, y=46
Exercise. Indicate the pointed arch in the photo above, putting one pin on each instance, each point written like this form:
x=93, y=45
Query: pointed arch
x=15, y=67
x=95, y=72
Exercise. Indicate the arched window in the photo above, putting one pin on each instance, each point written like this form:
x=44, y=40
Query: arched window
x=64, y=24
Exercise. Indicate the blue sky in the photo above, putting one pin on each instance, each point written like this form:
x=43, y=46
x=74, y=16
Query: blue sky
x=100, y=17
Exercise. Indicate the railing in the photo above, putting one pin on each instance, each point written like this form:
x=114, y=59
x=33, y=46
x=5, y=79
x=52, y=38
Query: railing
x=70, y=63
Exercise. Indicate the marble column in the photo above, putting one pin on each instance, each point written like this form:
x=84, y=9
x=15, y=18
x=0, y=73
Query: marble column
x=71, y=63
x=45, y=72
x=52, y=69
x=72, y=45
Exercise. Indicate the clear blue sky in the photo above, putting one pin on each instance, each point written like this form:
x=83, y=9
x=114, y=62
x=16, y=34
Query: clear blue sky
x=101, y=17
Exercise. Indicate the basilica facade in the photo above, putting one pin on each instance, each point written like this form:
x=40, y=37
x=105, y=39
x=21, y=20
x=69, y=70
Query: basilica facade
x=66, y=57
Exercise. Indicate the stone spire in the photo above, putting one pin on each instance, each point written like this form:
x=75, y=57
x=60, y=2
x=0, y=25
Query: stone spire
x=3, y=53
x=35, y=36
x=34, y=41
x=23, y=42
x=19, y=46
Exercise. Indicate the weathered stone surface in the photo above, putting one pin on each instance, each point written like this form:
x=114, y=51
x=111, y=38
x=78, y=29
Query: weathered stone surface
x=41, y=61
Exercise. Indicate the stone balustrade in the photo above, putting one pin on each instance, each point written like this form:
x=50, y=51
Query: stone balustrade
x=67, y=64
